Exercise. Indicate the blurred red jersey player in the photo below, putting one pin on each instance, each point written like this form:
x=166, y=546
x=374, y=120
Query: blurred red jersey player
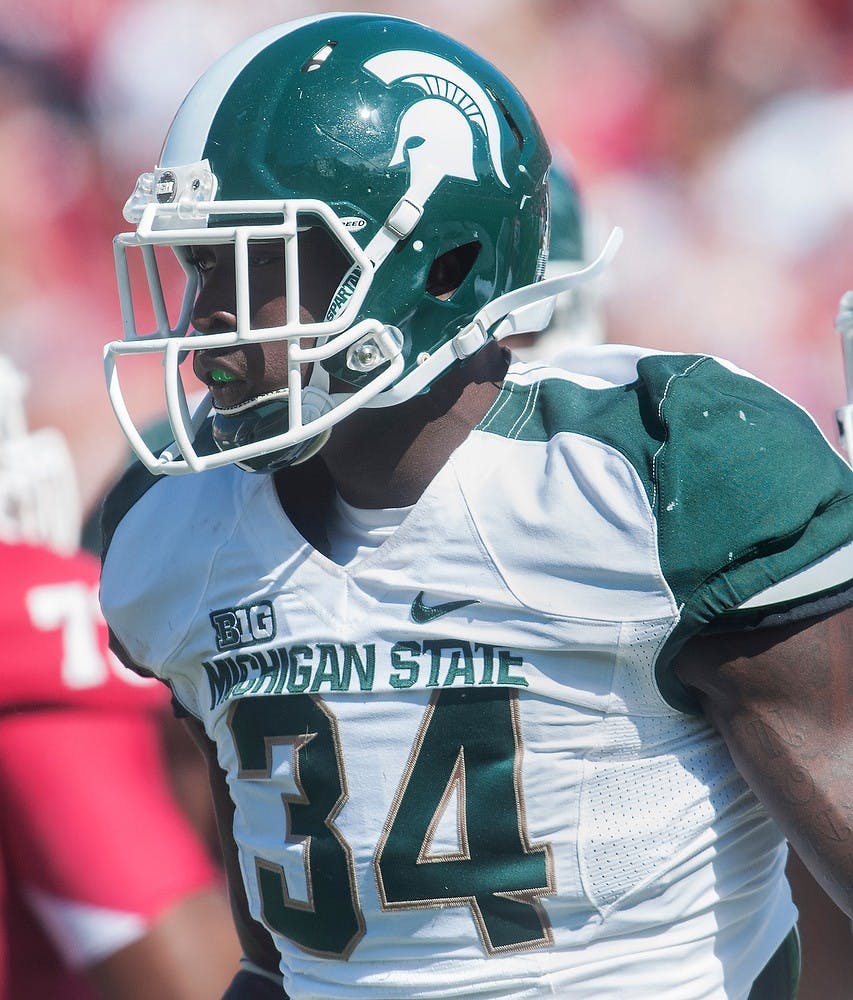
x=105, y=884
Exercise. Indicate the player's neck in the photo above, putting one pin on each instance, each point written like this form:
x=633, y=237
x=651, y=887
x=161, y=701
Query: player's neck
x=388, y=457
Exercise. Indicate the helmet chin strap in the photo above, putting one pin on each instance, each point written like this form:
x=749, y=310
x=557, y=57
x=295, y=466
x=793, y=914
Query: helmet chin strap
x=523, y=310
x=316, y=401
x=261, y=418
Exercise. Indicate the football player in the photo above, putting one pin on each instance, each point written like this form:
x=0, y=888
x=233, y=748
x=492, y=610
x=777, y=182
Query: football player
x=576, y=318
x=106, y=889
x=512, y=679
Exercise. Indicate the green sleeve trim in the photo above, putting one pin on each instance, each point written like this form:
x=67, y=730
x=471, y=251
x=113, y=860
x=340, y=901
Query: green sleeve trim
x=721, y=594
x=749, y=493
x=743, y=486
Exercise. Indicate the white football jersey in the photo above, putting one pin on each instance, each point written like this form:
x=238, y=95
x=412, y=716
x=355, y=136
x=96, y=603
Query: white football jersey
x=462, y=765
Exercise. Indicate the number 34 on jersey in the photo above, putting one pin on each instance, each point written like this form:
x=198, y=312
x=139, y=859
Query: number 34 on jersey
x=467, y=751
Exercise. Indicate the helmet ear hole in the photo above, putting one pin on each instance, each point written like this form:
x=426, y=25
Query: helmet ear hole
x=450, y=269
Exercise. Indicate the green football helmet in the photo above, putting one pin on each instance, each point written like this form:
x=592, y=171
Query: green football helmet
x=567, y=235
x=407, y=180
x=576, y=316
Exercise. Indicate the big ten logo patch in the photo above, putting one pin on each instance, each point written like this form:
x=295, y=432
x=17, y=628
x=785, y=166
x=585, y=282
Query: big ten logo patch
x=245, y=626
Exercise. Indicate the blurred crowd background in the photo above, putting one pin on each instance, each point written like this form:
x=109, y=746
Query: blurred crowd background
x=717, y=133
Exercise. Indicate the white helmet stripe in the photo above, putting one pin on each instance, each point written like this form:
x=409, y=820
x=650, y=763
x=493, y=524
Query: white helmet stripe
x=188, y=135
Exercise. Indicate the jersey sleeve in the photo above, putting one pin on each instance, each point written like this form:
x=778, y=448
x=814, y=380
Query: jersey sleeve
x=747, y=494
x=132, y=485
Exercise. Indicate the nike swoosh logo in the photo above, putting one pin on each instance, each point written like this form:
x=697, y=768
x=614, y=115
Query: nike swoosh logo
x=423, y=613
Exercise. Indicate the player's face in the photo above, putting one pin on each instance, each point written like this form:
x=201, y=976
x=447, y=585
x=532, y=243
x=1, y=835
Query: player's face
x=237, y=374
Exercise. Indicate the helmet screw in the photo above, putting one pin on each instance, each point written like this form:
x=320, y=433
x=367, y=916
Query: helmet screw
x=423, y=357
x=367, y=355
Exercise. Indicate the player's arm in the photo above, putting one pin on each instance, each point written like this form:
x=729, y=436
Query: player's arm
x=826, y=936
x=781, y=699
x=257, y=944
x=186, y=954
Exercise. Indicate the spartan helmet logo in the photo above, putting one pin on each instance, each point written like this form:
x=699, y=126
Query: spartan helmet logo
x=441, y=123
